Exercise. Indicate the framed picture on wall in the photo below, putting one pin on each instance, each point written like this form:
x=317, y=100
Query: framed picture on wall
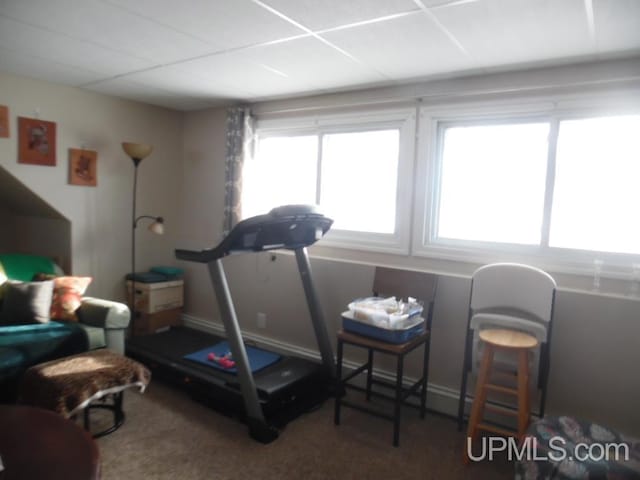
x=4, y=121
x=36, y=141
x=83, y=167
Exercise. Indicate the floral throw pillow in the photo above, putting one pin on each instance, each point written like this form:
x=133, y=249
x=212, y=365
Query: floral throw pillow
x=67, y=296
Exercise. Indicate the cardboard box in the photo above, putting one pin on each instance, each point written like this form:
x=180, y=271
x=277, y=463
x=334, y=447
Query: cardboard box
x=152, y=322
x=158, y=296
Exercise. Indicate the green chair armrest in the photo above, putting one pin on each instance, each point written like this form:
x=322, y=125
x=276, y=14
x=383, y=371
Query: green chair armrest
x=106, y=314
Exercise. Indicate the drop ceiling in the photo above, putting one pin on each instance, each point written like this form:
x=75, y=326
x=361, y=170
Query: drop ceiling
x=193, y=54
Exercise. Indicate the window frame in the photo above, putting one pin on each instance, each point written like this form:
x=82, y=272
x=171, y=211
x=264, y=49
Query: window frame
x=434, y=120
x=404, y=120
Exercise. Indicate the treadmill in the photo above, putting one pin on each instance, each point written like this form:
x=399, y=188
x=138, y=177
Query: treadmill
x=279, y=391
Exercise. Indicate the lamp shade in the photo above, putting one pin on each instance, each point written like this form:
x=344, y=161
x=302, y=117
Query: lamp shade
x=157, y=227
x=137, y=151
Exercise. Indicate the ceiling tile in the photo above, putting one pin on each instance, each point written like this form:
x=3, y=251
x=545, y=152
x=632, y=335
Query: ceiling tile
x=140, y=92
x=500, y=32
x=445, y=3
x=36, y=42
x=210, y=51
x=44, y=68
x=224, y=24
x=317, y=15
x=241, y=70
x=406, y=47
x=180, y=81
x=311, y=62
x=108, y=26
x=617, y=24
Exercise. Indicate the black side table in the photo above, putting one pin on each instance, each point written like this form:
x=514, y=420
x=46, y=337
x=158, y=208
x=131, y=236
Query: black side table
x=401, y=393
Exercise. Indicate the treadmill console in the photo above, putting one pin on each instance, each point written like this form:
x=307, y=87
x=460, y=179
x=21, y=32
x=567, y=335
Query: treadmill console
x=289, y=227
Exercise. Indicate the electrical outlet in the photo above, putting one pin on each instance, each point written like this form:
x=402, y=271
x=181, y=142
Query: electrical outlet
x=261, y=320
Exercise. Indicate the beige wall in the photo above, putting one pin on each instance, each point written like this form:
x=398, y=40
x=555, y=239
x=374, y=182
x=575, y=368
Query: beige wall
x=595, y=345
x=29, y=234
x=7, y=220
x=203, y=200
x=101, y=216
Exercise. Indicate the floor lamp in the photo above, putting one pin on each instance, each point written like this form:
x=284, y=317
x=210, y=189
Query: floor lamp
x=137, y=152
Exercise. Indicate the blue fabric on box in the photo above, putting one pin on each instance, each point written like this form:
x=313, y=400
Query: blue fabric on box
x=169, y=272
x=146, y=277
x=258, y=358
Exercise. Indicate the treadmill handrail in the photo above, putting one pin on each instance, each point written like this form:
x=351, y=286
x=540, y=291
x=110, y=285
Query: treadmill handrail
x=290, y=227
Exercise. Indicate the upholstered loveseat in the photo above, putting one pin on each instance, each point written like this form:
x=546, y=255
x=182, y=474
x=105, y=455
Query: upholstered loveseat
x=25, y=342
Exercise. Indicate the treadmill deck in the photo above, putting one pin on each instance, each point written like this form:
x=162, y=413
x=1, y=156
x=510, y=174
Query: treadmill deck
x=165, y=351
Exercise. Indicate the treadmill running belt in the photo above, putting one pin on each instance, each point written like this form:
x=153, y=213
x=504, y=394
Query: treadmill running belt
x=258, y=358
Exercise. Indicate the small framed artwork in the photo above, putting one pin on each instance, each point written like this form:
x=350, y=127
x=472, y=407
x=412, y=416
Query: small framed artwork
x=83, y=167
x=4, y=121
x=36, y=142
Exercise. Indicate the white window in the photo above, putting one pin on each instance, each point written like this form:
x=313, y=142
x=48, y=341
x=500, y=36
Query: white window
x=357, y=169
x=597, y=185
x=557, y=186
x=492, y=183
x=359, y=179
x=282, y=171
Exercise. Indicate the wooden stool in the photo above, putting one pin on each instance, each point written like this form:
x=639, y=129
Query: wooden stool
x=401, y=393
x=511, y=341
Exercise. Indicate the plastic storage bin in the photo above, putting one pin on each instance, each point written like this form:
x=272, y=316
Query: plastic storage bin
x=383, y=312
x=401, y=332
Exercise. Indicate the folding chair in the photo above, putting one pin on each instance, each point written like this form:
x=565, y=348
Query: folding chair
x=510, y=296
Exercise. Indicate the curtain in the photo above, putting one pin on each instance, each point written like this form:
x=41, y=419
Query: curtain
x=239, y=145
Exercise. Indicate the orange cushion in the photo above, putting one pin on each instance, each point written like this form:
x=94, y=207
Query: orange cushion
x=67, y=297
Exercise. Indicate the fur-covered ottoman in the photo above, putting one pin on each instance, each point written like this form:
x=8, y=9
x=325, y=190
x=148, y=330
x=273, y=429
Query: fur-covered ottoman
x=73, y=384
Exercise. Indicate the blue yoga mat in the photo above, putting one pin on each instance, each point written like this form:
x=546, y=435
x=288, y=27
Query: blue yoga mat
x=258, y=358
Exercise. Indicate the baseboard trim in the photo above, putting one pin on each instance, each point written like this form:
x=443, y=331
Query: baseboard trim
x=440, y=399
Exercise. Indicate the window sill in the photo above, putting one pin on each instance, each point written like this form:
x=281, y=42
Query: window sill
x=612, y=287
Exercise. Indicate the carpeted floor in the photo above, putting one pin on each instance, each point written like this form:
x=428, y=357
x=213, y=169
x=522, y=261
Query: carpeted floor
x=169, y=436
